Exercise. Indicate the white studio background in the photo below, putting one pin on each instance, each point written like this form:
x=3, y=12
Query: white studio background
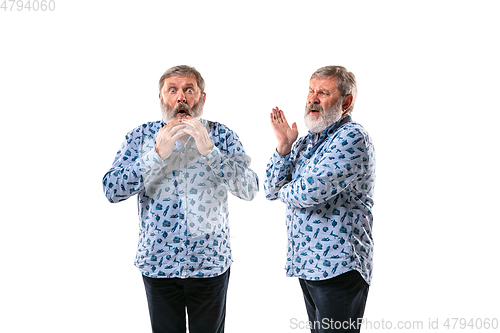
x=75, y=80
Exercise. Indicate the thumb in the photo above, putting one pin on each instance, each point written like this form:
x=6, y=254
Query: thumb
x=294, y=126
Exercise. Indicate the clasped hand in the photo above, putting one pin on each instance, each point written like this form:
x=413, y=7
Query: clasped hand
x=176, y=129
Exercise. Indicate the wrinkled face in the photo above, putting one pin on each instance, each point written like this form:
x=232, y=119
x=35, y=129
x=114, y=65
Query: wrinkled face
x=324, y=105
x=180, y=97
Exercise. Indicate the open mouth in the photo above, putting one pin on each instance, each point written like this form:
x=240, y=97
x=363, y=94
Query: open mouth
x=181, y=111
x=313, y=109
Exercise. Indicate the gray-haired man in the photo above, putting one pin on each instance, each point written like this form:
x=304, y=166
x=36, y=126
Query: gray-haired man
x=326, y=179
x=181, y=169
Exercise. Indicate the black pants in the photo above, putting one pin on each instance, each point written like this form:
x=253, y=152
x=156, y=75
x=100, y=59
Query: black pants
x=204, y=299
x=334, y=305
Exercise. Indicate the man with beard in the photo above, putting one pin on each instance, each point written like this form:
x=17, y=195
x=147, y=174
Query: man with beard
x=181, y=169
x=326, y=179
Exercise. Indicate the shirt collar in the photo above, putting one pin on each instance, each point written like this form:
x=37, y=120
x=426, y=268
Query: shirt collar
x=325, y=133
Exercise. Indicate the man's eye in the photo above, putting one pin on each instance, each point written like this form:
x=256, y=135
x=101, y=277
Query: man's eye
x=172, y=90
x=189, y=90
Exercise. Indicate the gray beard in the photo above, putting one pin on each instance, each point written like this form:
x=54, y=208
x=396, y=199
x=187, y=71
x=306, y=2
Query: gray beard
x=327, y=118
x=169, y=115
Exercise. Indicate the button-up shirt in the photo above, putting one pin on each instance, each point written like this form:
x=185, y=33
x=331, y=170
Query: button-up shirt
x=182, y=200
x=327, y=185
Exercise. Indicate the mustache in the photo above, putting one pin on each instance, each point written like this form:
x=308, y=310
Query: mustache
x=182, y=106
x=169, y=114
x=311, y=106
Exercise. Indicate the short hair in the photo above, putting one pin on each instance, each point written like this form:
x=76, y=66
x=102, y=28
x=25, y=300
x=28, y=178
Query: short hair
x=183, y=70
x=346, y=81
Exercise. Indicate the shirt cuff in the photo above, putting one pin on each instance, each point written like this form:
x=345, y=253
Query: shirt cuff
x=153, y=160
x=279, y=160
x=213, y=157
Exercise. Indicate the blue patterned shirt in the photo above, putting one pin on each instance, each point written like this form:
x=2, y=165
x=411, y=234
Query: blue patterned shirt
x=328, y=189
x=182, y=200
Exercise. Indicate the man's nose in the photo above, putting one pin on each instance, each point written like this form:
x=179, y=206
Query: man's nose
x=181, y=98
x=313, y=99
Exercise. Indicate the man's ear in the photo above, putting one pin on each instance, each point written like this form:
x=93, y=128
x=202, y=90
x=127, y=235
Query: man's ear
x=204, y=97
x=346, y=104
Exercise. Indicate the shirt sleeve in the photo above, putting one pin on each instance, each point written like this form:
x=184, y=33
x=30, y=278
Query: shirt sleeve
x=132, y=171
x=231, y=167
x=278, y=173
x=344, y=160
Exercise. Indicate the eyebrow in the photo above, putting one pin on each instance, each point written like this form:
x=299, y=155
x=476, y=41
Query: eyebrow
x=321, y=90
x=173, y=85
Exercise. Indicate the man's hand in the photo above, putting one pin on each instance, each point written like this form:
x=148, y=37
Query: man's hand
x=286, y=136
x=166, y=137
x=199, y=134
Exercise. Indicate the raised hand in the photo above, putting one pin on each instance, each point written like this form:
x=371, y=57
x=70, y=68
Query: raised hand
x=166, y=137
x=199, y=134
x=285, y=134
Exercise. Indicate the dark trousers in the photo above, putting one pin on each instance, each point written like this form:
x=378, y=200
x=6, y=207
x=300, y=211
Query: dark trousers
x=334, y=305
x=204, y=299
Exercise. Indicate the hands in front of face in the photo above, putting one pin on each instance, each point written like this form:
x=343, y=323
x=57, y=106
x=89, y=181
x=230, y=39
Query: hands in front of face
x=174, y=130
x=285, y=134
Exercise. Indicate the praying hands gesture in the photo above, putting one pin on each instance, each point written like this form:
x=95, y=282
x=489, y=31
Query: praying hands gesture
x=285, y=134
x=179, y=129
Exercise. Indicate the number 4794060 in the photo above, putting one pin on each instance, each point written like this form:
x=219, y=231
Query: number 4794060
x=28, y=5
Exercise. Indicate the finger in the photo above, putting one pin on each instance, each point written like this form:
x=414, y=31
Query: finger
x=273, y=116
x=172, y=123
x=178, y=135
x=174, y=128
x=276, y=115
x=169, y=133
x=195, y=127
x=276, y=118
x=187, y=131
x=193, y=122
x=169, y=129
x=282, y=117
x=196, y=132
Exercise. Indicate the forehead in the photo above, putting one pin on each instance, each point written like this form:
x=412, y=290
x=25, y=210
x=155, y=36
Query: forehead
x=327, y=83
x=181, y=81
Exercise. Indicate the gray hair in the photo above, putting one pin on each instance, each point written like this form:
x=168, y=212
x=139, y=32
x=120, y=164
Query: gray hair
x=346, y=83
x=183, y=70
